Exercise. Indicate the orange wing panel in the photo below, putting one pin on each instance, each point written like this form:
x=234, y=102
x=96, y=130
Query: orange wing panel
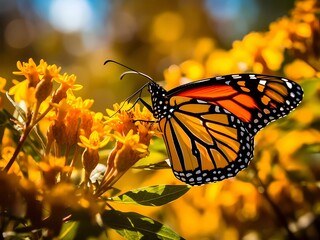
x=209, y=92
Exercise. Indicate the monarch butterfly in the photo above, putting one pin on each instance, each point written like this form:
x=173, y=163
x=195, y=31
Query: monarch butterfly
x=209, y=125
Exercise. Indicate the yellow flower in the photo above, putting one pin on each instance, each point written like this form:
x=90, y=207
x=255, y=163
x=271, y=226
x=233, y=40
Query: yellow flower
x=38, y=83
x=29, y=70
x=66, y=82
x=73, y=117
x=120, y=119
x=93, y=142
x=22, y=92
x=130, y=152
x=90, y=157
x=134, y=119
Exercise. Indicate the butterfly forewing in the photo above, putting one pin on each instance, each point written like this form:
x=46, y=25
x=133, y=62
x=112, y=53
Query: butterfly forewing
x=256, y=100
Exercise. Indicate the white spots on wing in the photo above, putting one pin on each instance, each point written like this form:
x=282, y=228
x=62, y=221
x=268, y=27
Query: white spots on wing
x=236, y=76
x=263, y=82
x=201, y=101
x=289, y=84
x=292, y=94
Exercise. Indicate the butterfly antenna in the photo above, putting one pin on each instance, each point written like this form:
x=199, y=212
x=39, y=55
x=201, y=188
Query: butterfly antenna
x=128, y=99
x=131, y=70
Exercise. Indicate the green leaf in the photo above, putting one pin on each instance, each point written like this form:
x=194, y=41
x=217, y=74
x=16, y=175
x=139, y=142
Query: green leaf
x=132, y=225
x=153, y=195
x=154, y=166
x=68, y=230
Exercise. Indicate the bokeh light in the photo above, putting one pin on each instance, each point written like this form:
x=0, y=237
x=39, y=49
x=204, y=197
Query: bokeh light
x=70, y=15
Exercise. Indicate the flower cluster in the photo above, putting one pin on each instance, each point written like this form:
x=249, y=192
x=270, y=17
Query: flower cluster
x=132, y=129
x=48, y=171
x=259, y=52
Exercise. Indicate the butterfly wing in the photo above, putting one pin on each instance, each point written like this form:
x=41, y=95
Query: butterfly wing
x=205, y=142
x=255, y=99
x=209, y=125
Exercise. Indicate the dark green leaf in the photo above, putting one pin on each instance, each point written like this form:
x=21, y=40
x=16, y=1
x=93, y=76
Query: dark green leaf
x=152, y=195
x=132, y=225
x=154, y=166
x=82, y=226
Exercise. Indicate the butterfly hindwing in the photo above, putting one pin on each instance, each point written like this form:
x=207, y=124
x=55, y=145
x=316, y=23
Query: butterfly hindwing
x=205, y=142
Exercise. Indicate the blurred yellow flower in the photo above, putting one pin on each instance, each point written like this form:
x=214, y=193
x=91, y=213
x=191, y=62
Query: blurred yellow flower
x=299, y=69
x=173, y=76
x=273, y=58
x=167, y=27
x=6, y=154
x=220, y=62
x=192, y=69
x=3, y=82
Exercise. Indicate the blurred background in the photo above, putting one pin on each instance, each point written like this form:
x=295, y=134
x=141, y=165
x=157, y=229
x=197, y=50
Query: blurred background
x=80, y=35
x=150, y=36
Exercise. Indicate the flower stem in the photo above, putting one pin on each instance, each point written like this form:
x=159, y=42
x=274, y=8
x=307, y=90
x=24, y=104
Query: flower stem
x=24, y=136
x=18, y=148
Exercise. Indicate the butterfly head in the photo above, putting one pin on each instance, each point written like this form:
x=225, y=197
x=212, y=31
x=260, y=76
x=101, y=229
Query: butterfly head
x=159, y=98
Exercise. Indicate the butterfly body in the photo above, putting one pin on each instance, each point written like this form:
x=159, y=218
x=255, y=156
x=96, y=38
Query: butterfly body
x=209, y=125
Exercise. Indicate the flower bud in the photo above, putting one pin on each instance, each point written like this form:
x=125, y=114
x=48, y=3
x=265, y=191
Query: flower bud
x=90, y=159
x=44, y=88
